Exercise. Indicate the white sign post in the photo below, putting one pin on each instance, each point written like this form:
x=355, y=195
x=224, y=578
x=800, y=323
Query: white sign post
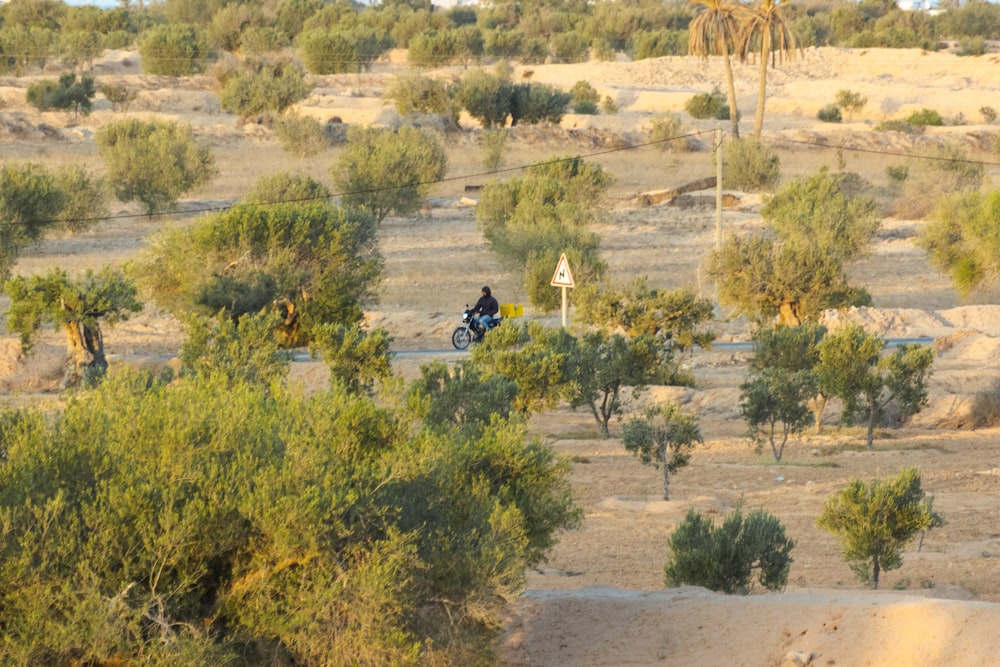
x=563, y=278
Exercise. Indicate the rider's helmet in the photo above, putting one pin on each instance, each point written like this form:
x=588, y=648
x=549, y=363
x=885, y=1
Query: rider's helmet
x=486, y=290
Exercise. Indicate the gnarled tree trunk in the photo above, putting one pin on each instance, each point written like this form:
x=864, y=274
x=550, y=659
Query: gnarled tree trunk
x=85, y=345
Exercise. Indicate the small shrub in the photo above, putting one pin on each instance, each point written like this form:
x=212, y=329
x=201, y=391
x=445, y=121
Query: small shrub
x=585, y=108
x=119, y=95
x=897, y=174
x=750, y=166
x=989, y=114
x=609, y=106
x=494, y=142
x=67, y=94
x=414, y=93
x=730, y=557
x=583, y=93
x=903, y=126
x=829, y=114
x=582, y=90
x=850, y=101
x=707, y=105
x=174, y=50
x=974, y=46
x=666, y=131
x=985, y=411
x=925, y=117
x=303, y=136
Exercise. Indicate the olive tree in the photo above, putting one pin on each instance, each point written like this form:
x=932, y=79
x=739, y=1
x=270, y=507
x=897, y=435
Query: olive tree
x=797, y=270
x=876, y=520
x=791, y=350
x=312, y=262
x=607, y=365
x=530, y=221
x=67, y=94
x=174, y=49
x=773, y=402
x=853, y=368
x=30, y=203
x=960, y=241
x=79, y=307
x=262, y=87
x=673, y=316
x=461, y=396
x=663, y=437
x=152, y=162
x=765, y=279
x=385, y=172
x=539, y=360
x=240, y=349
x=356, y=541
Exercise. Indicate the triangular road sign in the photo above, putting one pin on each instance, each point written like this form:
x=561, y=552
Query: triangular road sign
x=562, y=277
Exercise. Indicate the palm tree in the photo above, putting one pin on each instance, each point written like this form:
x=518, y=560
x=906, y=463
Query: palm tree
x=712, y=32
x=765, y=33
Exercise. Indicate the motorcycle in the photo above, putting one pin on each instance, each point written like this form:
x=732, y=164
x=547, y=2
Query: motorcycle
x=471, y=331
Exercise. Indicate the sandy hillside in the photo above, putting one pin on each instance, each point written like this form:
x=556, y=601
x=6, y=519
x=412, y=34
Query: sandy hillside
x=599, y=600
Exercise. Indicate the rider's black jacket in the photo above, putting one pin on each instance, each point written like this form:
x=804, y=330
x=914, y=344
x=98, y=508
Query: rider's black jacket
x=487, y=305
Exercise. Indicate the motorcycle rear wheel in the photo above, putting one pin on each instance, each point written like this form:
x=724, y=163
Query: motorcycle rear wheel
x=461, y=338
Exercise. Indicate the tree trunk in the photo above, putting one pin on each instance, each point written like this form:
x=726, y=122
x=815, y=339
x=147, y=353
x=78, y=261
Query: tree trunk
x=734, y=114
x=876, y=570
x=666, y=472
x=819, y=404
x=758, y=119
x=871, y=427
x=788, y=314
x=85, y=347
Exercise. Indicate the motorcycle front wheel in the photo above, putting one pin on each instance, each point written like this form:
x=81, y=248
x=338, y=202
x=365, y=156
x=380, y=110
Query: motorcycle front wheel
x=461, y=338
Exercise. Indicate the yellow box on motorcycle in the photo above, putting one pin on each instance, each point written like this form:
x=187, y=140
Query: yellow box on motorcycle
x=511, y=310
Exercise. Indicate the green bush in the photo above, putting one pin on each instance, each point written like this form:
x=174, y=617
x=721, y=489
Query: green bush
x=257, y=41
x=486, y=96
x=707, y=105
x=850, y=101
x=829, y=114
x=174, y=50
x=875, y=521
x=989, y=114
x=749, y=166
x=666, y=130
x=898, y=125
x=985, y=410
x=310, y=261
x=356, y=542
x=975, y=46
x=385, y=172
x=569, y=47
x=86, y=200
x=152, y=162
x=338, y=51
x=119, y=94
x=259, y=87
x=67, y=94
x=731, y=557
x=493, y=144
x=925, y=117
x=530, y=221
x=582, y=91
x=415, y=93
x=659, y=43
x=533, y=103
x=609, y=106
x=303, y=136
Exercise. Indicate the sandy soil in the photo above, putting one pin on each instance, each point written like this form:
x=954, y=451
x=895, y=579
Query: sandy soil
x=600, y=600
